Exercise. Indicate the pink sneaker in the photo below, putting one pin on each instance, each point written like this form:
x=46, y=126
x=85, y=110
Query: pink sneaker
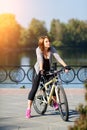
x=56, y=106
x=28, y=113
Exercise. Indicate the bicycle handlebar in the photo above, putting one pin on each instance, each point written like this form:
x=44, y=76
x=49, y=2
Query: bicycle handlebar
x=54, y=72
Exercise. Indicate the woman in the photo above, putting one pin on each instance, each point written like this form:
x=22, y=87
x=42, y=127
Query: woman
x=44, y=53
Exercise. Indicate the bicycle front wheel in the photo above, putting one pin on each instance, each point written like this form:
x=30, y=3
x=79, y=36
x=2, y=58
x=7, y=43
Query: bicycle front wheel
x=63, y=103
x=39, y=103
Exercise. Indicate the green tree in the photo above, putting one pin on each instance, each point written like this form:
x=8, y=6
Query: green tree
x=35, y=30
x=55, y=30
x=23, y=37
x=76, y=33
x=73, y=33
x=9, y=31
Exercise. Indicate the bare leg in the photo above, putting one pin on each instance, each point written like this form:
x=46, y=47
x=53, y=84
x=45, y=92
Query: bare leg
x=54, y=98
x=29, y=104
x=55, y=104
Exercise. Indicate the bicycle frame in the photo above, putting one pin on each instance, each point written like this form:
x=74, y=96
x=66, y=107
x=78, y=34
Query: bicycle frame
x=46, y=96
x=53, y=87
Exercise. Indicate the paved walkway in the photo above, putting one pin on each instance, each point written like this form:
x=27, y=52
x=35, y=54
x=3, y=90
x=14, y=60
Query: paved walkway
x=13, y=104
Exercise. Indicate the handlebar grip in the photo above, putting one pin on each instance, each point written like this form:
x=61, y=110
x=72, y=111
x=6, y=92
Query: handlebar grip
x=67, y=67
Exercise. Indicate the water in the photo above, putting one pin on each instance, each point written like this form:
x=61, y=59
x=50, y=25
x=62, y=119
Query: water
x=9, y=59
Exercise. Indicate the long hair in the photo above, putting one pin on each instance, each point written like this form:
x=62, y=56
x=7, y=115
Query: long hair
x=41, y=43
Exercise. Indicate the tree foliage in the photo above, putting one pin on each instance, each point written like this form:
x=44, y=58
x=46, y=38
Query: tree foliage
x=56, y=30
x=73, y=33
x=29, y=37
x=77, y=32
x=9, y=31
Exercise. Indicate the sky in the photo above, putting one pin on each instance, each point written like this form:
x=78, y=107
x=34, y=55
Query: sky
x=44, y=10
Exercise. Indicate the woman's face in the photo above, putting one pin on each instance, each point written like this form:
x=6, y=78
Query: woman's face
x=46, y=43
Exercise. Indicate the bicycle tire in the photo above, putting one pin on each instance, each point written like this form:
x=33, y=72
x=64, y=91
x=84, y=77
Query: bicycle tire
x=39, y=105
x=63, y=103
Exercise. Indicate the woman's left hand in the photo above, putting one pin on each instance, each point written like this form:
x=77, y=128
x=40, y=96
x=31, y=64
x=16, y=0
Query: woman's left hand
x=67, y=68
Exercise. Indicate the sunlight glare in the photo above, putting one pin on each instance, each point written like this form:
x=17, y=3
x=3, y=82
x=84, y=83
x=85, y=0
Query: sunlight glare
x=9, y=6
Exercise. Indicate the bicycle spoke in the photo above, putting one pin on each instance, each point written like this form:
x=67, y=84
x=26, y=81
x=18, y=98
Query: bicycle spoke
x=40, y=104
x=63, y=104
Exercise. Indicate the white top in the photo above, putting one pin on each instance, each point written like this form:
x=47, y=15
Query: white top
x=39, y=54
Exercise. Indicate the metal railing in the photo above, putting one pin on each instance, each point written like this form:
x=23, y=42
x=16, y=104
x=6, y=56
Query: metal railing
x=24, y=74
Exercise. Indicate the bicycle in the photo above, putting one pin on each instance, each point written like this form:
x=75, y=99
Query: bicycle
x=44, y=95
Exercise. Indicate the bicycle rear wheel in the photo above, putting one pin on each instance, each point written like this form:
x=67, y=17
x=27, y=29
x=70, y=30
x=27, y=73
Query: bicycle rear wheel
x=39, y=103
x=63, y=103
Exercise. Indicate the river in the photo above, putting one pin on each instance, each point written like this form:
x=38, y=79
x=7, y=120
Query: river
x=26, y=58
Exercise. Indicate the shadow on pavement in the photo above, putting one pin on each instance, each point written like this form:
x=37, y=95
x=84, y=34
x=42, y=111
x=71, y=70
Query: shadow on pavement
x=73, y=114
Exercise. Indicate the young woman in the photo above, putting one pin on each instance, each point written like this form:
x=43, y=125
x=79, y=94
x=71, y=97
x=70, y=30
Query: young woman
x=44, y=53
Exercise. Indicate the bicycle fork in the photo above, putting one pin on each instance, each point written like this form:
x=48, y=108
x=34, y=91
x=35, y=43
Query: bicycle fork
x=56, y=92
